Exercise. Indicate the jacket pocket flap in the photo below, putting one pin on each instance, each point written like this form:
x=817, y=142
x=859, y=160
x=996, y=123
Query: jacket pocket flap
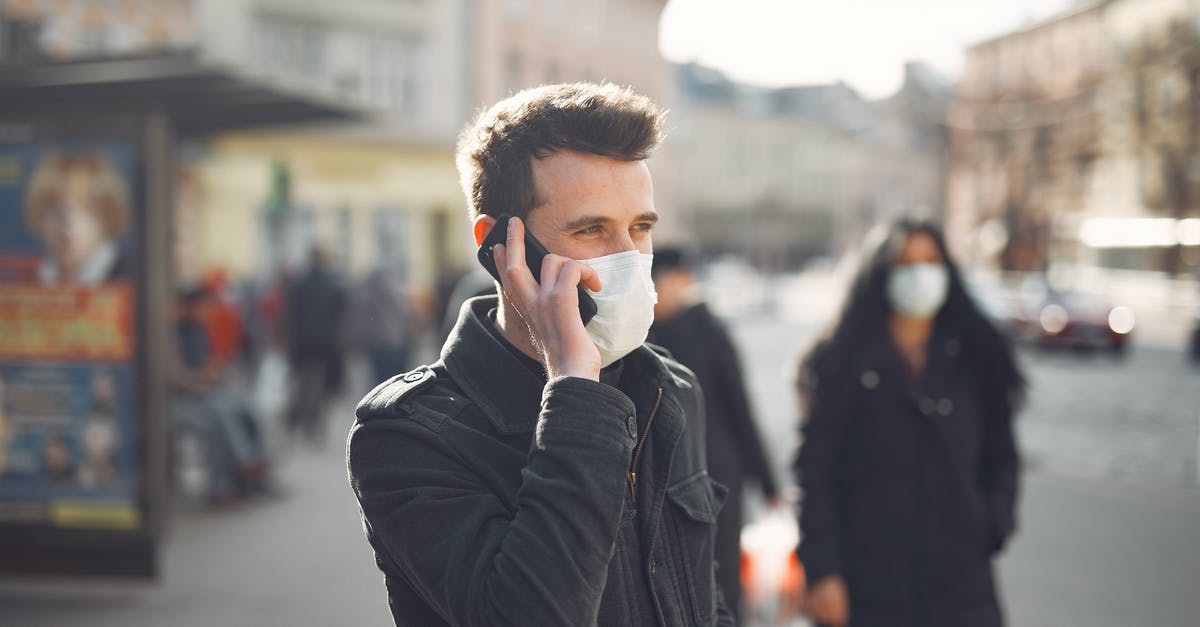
x=699, y=497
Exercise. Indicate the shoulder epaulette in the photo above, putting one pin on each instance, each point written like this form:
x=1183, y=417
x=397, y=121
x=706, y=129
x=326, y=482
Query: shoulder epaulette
x=388, y=394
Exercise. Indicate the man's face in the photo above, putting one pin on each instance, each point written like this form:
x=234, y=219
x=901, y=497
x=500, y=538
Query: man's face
x=673, y=288
x=592, y=206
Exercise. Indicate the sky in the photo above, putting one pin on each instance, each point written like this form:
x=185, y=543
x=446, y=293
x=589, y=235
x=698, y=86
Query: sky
x=862, y=42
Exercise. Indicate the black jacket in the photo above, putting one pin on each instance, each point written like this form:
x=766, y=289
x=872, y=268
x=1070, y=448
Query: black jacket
x=909, y=489
x=699, y=341
x=494, y=497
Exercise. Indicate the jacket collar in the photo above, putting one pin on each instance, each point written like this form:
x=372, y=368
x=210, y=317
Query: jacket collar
x=508, y=392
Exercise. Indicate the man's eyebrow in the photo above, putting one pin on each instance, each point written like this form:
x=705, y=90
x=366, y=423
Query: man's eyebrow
x=578, y=223
x=586, y=221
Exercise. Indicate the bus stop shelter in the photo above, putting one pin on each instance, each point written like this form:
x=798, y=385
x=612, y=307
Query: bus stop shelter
x=85, y=349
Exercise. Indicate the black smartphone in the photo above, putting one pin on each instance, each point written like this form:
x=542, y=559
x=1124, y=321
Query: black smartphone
x=534, y=251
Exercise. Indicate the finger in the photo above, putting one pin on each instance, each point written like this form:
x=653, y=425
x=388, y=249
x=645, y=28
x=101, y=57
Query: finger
x=552, y=266
x=514, y=272
x=498, y=256
x=589, y=278
x=583, y=274
x=564, y=295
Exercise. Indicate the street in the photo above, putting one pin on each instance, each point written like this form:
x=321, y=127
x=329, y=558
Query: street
x=1109, y=533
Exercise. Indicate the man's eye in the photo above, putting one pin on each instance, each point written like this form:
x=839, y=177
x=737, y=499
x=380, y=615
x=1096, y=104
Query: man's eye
x=591, y=230
x=643, y=226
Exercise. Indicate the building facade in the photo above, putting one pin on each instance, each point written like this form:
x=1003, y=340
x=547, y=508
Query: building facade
x=385, y=190
x=380, y=191
x=783, y=175
x=1075, y=140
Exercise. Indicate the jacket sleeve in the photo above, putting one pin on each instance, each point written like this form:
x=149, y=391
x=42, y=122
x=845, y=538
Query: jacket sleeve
x=464, y=551
x=735, y=404
x=816, y=469
x=999, y=476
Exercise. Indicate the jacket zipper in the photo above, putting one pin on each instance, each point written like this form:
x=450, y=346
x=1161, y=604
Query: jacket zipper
x=637, y=455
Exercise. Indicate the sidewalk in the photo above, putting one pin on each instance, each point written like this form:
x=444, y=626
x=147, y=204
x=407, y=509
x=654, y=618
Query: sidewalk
x=299, y=561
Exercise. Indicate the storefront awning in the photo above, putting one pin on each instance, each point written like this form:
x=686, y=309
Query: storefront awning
x=199, y=98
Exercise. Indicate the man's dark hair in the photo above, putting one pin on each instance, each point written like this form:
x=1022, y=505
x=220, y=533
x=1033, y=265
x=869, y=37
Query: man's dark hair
x=670, y=259
x=496, y=151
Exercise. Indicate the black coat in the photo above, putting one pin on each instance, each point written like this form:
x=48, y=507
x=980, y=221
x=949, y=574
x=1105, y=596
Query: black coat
x=699, y=341
x=909, y=489
x=494, y=497
x=316, y=306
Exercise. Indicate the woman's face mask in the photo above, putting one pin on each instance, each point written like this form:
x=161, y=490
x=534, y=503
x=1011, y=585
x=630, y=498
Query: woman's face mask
x=918, y=290
x=624, y=304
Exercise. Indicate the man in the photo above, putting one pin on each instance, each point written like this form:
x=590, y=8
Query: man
x=543, y=472
x=685, y=327
x=313, y=321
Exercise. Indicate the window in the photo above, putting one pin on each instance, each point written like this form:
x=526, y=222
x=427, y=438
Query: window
x=391, y=245
x=345, y=238
x=395, y=74
x=292, y=48
x=19, y=38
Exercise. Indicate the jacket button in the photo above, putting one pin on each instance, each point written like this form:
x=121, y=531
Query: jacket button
x=945, y=407
x=927, y=406
x=631, y=424
x=653, y=567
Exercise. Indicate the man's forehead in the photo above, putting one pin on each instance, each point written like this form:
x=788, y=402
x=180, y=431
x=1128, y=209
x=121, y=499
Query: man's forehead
x=570, y=169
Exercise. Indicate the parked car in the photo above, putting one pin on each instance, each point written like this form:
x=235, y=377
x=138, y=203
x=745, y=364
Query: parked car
x=994, y=299
x=1066, y=318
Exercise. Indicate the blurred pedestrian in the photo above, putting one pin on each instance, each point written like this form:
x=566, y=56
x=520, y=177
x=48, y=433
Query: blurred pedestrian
x=226, y=331
x=382, y=323
x=211, y=409
x=688, y=329
x=908, y=465
x=314, y=318
x=471, y=284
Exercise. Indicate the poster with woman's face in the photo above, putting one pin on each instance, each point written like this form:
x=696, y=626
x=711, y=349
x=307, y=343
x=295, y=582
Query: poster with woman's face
x=67, y=216
x=68, y=434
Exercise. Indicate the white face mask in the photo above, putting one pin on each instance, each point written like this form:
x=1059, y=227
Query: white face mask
x=918, y=290
x=624, y=304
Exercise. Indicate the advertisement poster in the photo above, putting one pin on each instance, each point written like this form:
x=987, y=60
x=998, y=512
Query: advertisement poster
x=69, y=444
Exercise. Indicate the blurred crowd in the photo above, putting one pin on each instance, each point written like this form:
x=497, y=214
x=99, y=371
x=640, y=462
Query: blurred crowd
x=259, y=366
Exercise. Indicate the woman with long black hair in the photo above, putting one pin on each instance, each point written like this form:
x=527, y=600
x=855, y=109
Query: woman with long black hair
x=908, y=464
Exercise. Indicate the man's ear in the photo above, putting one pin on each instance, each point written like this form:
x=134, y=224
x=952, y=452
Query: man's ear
x=483, y=225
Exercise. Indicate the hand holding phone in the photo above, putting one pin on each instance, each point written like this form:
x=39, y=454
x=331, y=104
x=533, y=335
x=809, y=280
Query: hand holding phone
x=555, y=327
x=534, y=253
